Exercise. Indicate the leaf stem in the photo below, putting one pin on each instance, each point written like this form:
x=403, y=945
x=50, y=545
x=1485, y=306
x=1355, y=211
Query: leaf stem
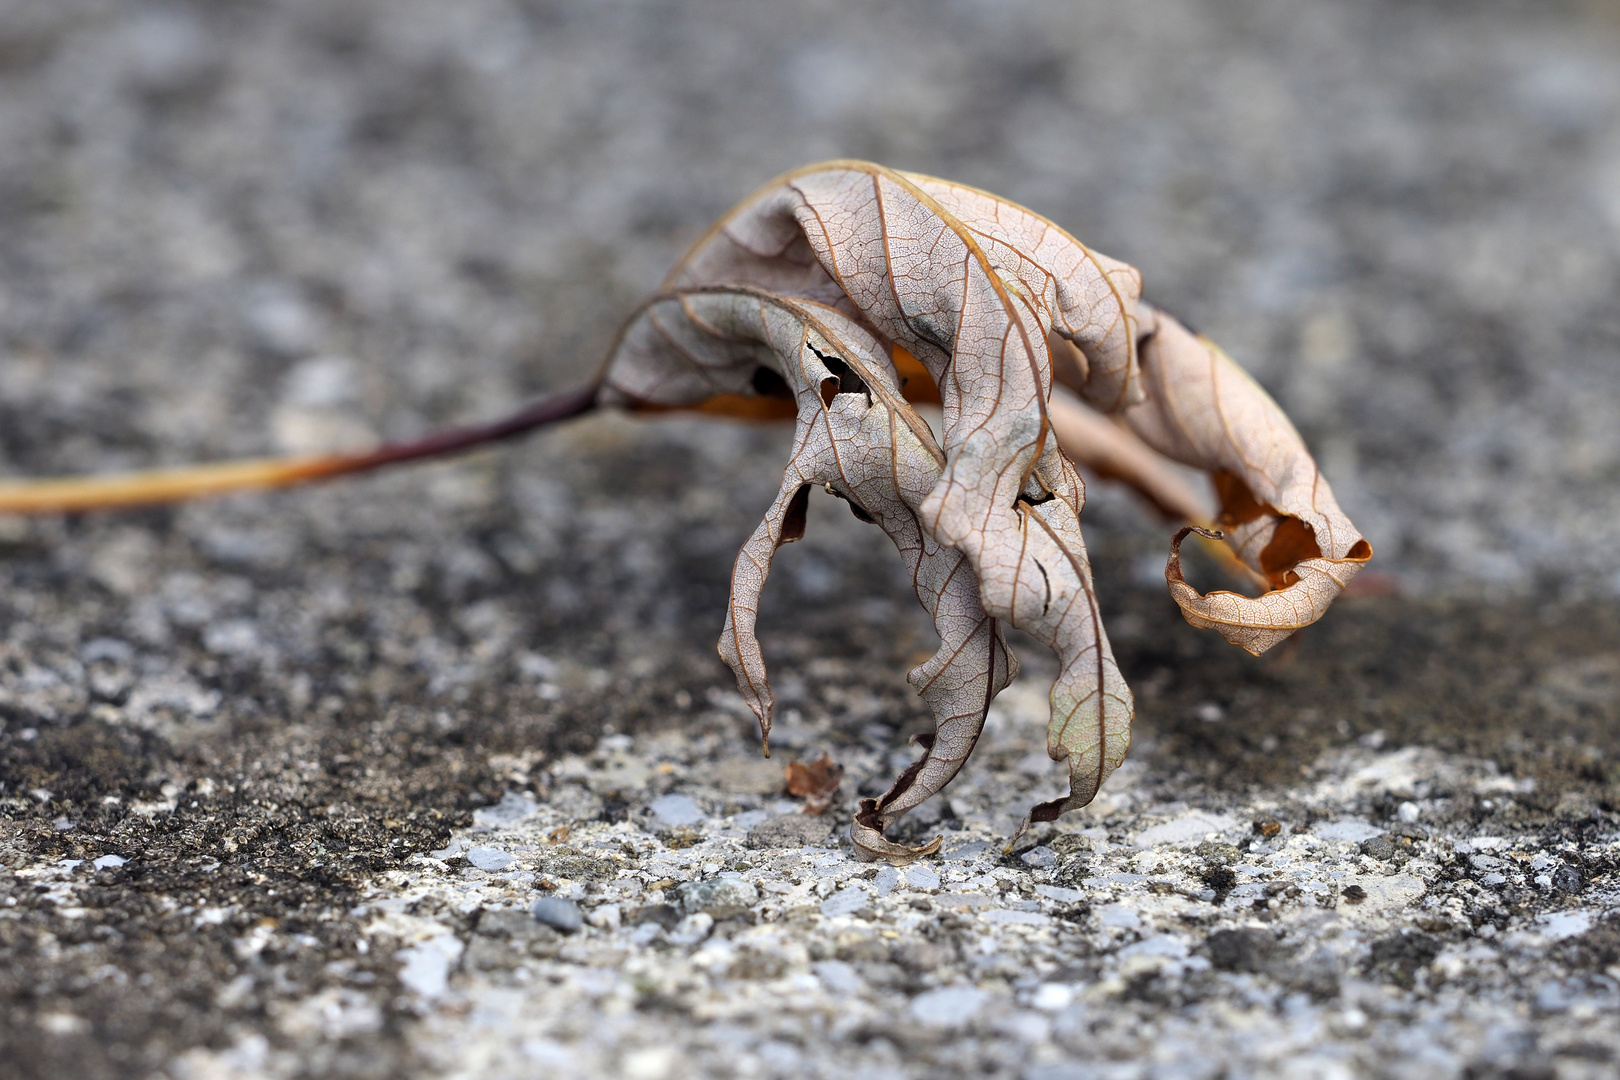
x=160, y=486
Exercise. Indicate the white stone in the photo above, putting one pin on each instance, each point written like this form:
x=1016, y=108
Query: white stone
x=1004, y=917
x=1060, y=894
x=844, y=902
x=1183, y=829
x=1352, y=829
x=951, y=1006
x=837, y=977
x=425, y=966
x=676, y=810
x=488, y=858
x=1051, y=997
x=1383, y=893
x=649, y=1063
x=922, y=877
x=692, y=929
x=1564, y=924
x=1040, y=856
x=1120, y=916
x=1158, y=945
x=512, y=809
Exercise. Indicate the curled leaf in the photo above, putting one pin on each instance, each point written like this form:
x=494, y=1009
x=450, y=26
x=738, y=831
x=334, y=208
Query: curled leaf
x=1258, y=623
x=1277, y=510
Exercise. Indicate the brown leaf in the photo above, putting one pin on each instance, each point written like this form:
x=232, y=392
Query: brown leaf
x=815, y=783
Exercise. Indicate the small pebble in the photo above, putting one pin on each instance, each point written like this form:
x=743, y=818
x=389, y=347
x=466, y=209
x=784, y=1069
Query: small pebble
x=692, y=929
x=839, y=978
x=1051, y=997
x=488, y=858
x=923, y=877
x=557, y=913
x=1040, y=857
x=844, y=902
x=720, y=898
x=948, y=1007
x=1567, y=879
x=675, y=810
x=1378, y=848
x=664, y=915
x=790, y=831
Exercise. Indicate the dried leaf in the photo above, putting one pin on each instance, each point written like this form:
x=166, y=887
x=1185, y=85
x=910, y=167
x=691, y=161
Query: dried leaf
x=996, y=303
x=1278, y=512
x=832, y=295
x=856, y=438
x=973, y=287
x=815, y=783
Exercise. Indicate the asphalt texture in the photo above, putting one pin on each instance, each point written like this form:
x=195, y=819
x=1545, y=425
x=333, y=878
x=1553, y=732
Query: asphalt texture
x=232, y=734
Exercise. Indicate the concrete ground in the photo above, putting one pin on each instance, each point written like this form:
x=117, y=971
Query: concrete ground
x=281, y=775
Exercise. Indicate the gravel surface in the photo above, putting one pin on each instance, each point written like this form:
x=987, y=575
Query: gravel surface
x=436, y=773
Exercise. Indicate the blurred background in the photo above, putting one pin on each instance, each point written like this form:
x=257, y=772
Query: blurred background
x=234, y=228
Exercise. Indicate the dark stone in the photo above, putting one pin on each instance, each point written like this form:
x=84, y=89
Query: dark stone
x=1587, y=1051
x=665, y=915
x=1594, y=950
x=1399, y=957
x=1217, y=853
x=1520, y=1070
x=573, y=866
x=1220, y=878
x=1317, y=976
x=721, y=897
x=557, y=913
x=790, y=831
x=1245, y=949
x=512, y=923
x=1567, y=879
x=922, y=957
x=681, y=836
x=1068, y=844
x=1378, y=848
